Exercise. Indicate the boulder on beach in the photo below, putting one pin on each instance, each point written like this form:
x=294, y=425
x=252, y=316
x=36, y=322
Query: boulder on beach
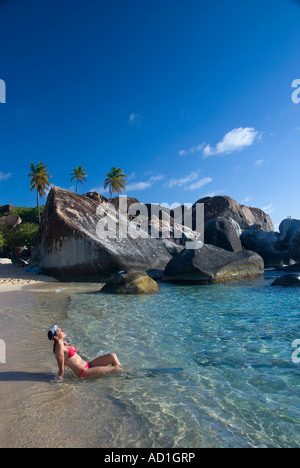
x=131, y=283
x=83, y=238
x=226, y=207
x=7, y=209
x=10, y=221
x=264, y=243
x=224, y=233
x=276, y=248
x=211, y=264
x=287, y=280
x=289, y=237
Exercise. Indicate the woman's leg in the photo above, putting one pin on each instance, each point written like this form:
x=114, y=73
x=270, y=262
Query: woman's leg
x=107, y=360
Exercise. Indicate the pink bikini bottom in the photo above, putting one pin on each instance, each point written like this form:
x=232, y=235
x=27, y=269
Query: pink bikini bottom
x=84, y=374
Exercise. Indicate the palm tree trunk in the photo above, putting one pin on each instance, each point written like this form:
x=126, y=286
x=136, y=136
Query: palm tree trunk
x=38, y=207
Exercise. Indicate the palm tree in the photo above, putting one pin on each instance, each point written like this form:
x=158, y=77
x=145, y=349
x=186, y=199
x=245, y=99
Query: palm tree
x=39, y=180
x=116, y=181
x=79, y=174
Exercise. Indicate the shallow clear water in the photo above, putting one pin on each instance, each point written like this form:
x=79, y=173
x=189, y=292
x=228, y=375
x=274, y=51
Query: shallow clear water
x=210, y=366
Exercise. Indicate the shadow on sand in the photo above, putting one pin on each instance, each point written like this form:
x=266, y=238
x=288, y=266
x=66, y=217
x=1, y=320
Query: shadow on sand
x=26, y=377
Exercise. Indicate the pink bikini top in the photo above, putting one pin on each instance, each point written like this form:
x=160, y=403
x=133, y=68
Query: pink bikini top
x=71, y=352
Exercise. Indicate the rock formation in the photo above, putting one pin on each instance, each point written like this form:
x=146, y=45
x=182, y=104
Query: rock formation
x=131, y=283
x=10, y=221
x=287, y=280
x=226, y=207
x=212, y=265
x=224, y=233
x=277, y=249
x=80, y=239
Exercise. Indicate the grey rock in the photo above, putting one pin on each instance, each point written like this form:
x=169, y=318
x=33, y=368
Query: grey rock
x=277, y=248
x=10, y=221
x=224, y=233
x=72, y=247
x=287, y=280
x=211, y=264
x=131, y=283
x=226, y=207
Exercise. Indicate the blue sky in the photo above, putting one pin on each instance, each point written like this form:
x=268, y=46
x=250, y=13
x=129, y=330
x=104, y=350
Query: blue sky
x=189, y=98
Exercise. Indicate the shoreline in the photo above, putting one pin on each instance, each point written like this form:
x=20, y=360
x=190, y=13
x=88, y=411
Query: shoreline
x=14, y=278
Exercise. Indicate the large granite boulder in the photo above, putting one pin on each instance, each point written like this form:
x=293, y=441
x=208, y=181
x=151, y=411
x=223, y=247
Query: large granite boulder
x=83, y=239
x=289, y=237
x=276, y=248
x=211, y=264
x=287, y=280
x=10, y=221
x=224, y=233
x=7, y=209
x=264, y=243
x=226, y=207
x=131, y=283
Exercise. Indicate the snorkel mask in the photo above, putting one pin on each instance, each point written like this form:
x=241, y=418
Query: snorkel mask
x=51, y=333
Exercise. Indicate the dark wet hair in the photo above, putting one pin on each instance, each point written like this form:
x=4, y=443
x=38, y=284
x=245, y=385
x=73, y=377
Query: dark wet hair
x=52, y=333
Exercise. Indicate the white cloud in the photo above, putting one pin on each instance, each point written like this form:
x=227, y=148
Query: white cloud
x=183, y=181
x=131, y=176
x=248, y=199
x=190, y=182
x=200, y=183
x=135, y=119
x=5, y=176
x=269, y=208
x=137, y=186
x=134, y=186
x=259, y=162
x=192, y=150
x=157, y=178
x=100, y=190
x=236, y=140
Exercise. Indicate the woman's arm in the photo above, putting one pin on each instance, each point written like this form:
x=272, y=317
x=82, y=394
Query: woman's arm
x=60, y=357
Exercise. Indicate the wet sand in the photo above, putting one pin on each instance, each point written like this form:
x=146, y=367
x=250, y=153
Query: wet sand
x=37, y=411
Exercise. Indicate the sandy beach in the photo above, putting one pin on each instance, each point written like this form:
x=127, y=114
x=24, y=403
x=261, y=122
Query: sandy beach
x=32, y=403
x=13, y=278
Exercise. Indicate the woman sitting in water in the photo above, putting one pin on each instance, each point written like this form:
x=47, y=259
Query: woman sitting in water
x=66, y=355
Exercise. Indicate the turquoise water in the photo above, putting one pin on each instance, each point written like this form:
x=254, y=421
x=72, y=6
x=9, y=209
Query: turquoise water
x=208, y=366
x=211, y=365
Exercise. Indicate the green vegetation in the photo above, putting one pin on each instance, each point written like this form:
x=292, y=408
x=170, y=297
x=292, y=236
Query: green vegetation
x=116, y=181
x=79, y=175
x=40, y=181
x=21, y=236
x=27, y=215
x=2, y=240
x=24, y=235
